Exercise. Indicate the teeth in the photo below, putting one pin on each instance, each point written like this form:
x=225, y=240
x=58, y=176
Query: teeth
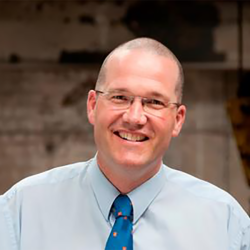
x=132, y=137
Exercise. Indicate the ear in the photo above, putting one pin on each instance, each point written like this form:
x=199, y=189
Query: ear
x=91, y=104
x=179, y=120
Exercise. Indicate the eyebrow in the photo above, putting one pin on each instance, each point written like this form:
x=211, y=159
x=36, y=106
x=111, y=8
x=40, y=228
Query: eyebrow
x=150, y=94
x=159, y=95
x=118, y=90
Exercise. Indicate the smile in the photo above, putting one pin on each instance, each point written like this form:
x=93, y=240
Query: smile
x=131, y=137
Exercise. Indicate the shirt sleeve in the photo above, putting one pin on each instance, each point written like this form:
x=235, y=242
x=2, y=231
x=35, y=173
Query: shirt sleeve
x=246, y=239
x=7, y=238
x=239, y=231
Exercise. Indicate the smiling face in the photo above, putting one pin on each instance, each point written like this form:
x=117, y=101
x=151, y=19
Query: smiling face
x=133, y=142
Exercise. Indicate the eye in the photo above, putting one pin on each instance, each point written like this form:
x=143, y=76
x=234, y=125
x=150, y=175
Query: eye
x=119, y=98
x=154, y=103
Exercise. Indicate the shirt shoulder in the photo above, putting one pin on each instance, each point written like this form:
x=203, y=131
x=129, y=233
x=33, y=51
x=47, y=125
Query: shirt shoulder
x=35, y=200
x=55, y=176
x=204, y=190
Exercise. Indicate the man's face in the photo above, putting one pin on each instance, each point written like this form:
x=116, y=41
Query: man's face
x=132, y=139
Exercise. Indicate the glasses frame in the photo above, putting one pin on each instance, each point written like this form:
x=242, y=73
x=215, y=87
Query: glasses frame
x=131, y=99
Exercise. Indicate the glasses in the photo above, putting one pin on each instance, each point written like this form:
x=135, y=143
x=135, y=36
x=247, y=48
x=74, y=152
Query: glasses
x=122, y=101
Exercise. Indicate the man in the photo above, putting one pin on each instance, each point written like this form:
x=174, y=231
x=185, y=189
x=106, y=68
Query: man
x=125, y=198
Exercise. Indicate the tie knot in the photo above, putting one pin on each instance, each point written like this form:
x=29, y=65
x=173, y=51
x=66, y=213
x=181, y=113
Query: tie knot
x=122, y=206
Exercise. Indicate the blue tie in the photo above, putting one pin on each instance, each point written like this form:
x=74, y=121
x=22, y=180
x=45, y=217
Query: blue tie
x=121, y=237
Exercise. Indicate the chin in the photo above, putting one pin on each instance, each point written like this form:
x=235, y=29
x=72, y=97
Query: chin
x=132, y=162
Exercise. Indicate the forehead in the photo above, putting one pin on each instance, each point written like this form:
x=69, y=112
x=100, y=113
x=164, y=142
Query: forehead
x=142, y=68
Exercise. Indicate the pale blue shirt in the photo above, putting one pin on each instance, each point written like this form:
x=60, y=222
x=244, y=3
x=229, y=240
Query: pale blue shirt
x=68, y=208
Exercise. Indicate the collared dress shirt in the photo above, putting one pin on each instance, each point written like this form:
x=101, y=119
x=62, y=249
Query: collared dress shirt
x=68, y=208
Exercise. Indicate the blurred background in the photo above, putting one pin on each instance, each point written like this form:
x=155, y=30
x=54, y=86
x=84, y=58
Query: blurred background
x=50, y=54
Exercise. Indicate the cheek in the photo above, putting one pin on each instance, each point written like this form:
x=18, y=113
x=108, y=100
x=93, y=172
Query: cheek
x=104, y=119
x=164, y=129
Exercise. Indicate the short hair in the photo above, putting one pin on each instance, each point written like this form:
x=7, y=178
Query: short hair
x=152, y=46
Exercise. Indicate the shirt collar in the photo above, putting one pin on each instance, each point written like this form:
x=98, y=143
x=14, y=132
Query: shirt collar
x=105, y=193
x=141, y=197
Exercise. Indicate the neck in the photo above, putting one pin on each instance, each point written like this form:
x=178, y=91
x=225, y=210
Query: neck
x=127, y=178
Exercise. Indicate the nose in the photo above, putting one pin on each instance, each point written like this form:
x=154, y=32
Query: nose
x=135, y=114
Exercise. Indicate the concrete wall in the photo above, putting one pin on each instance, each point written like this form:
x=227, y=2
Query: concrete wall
x=206, y=147
x=42, y=30
x=43, y=122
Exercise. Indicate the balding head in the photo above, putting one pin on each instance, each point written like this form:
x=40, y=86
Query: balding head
x=150, y=46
